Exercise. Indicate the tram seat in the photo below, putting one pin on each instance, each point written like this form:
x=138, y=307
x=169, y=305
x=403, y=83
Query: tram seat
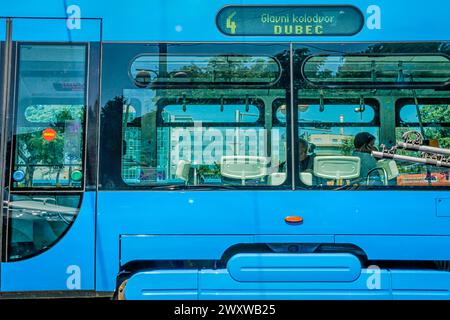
x=306, y=178
x=276, y=178
x=183, y=170
x=337, y=167
x=244, y=167
x=390, y=167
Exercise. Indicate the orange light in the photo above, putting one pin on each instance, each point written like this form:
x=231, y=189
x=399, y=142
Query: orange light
x=49, y=134
x=293, y=219
x=433, y=143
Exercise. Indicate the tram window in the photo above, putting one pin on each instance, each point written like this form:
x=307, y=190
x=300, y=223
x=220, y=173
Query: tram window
x=311, y=112
x=218, y=139
x=50, y=117
x=434, y=125
x=172, y=69
x=50, y=113
x=378, y=69
x=431, y=113
x=193, y=115
x=209, y=113
x=38, y=221
x=326, y=143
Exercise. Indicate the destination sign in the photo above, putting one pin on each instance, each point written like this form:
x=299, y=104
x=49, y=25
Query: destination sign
x=290, y=20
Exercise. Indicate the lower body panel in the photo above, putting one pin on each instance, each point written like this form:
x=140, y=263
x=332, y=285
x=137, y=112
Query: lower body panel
x=372, y=283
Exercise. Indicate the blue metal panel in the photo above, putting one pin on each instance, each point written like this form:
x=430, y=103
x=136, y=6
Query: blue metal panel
x=219, y=285
x=55, y=30
x=294, y=267
x=417, y=284
x=443, y=207
x=163, y=284
x=270, y=238
x=148, y=247
x=263, y=213
x=178, y=20
x=401, y=247
x=162, y=213
x=52, y=270
x=351, y=212
x=372, y=283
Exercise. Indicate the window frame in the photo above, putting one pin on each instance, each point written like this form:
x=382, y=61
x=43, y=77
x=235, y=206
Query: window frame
x=291, y=58
x=117, y=58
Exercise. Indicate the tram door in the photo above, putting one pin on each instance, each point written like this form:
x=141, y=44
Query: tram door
x=50, y=80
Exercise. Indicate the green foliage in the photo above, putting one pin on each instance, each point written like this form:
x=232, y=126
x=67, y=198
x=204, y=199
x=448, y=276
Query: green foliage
x=209, y=170
x=49, y=113
x=228, y=69
x=429, y=114
x=347, y=146
x=437, y=114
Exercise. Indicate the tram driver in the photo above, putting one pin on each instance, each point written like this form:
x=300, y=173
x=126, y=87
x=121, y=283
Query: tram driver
x=364, y=143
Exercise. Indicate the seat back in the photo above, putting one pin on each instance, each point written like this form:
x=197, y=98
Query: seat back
x=276, y=178
x=390, y=167
x=306, y=178
x=337, y=167
x=244, y=167
x=183, y=168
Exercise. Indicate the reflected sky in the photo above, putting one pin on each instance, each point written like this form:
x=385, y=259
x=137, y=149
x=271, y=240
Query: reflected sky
x=211, y=113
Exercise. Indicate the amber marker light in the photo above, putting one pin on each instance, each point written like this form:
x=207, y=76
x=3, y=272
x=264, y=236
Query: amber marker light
x=293, y=219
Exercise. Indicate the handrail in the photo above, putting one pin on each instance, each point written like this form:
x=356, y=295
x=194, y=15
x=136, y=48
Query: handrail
x=376, y=169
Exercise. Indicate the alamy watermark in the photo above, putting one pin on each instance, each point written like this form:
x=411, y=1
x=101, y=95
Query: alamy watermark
x=207, y=145
x=73, y=281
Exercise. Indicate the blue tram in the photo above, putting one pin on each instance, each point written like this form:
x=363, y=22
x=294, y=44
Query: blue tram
x=225, y=150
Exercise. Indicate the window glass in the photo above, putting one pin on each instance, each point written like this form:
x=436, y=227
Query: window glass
x=335, y=113
x=151, y=69
x=49, y=113
x=50, y=117
x=365, y=101
x=193, y=115
x=327, y=153
x=372, y=69
x=207, y=141
x=38, y=221
x=210, y=113
x=339, y=143
x=429, y=113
